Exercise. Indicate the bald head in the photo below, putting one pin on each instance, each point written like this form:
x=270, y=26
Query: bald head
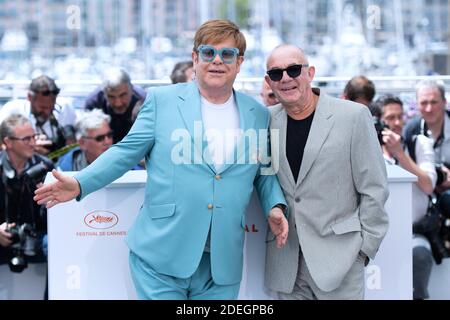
x=290, y=79
x=286, y=50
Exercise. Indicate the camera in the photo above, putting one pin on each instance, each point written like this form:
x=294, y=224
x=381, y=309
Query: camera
x=37, y=173
x=441, y=175
x=431, y=226
x=25, y=242
x=379, y=127
x=25, y=237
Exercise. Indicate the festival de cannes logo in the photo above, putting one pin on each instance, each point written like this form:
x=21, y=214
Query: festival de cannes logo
x=100, y=219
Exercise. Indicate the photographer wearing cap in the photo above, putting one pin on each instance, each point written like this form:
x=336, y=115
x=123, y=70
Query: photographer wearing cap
x=22, y=222
x=417, y=157
x=52, y=121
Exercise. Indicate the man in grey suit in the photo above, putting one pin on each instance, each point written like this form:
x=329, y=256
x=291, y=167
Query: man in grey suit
x=331, y=169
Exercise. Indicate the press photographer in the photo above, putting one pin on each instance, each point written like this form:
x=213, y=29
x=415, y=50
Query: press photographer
x=434, y=122
x=23, y=223
x=52, y=119
x=417, y=157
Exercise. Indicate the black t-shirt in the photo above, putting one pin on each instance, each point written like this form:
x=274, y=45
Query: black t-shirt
x=296, y=137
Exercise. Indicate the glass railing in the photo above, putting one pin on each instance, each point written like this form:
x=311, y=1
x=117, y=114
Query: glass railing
x=77, y=91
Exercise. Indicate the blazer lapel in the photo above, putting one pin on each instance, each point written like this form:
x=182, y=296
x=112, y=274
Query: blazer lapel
x=320, y=128
x=189, y=107
x=278, y=154
x=246, y=121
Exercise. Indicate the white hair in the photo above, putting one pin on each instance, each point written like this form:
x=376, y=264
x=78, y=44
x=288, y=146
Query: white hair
x=90, y=120
x=115, y=77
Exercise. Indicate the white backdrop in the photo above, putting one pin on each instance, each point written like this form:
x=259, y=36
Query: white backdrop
x=88, y=258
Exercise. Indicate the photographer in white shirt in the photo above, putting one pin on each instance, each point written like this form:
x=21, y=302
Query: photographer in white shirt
x=421, y=164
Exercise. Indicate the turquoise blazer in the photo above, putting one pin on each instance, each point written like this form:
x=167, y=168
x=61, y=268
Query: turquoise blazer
x=187, y=198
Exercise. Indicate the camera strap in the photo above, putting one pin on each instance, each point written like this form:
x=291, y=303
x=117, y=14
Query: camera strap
x=411, y=147
x=424, y=131
x=7, y=191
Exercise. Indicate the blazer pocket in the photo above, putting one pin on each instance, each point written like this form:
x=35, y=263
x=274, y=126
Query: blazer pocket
x=348, y=225
x=161, y=210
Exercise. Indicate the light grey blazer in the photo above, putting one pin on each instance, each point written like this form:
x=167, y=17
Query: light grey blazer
x=337, y=205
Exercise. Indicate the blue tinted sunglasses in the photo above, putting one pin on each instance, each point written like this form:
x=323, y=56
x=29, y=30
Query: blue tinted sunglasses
x=209, y=53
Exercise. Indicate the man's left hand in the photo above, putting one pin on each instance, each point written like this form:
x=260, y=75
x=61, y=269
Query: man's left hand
x=279, y=226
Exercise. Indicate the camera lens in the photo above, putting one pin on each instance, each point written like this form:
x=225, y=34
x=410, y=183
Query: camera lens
x=18, y=263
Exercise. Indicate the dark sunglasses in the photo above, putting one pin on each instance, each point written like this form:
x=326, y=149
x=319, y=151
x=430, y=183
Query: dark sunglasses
x=101, y=137
x=209, y=53
x=293, y=71
x=46, y=93
x=26, y=139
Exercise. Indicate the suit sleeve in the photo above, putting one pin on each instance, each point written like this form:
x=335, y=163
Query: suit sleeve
x=123, y=156
x=267, y=185
x=370, y=180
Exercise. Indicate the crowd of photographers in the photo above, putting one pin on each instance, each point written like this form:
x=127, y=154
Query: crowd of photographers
x=44, y=132
x=422, y=147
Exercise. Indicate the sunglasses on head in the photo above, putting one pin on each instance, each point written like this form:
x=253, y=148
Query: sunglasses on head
x=209, y=53
x=46, y=93
x=101, y=137
x=293, y=71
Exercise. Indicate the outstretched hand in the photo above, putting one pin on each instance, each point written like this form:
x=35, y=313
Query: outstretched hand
x=64, y=189
x=279, y=226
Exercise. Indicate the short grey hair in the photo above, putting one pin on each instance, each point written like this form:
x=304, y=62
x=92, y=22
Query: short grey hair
x=90, y=120
x=9, y=123
x=432, y=84
x=115, y=77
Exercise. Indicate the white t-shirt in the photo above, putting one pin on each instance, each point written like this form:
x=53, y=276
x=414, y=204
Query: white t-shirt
x=222, y=130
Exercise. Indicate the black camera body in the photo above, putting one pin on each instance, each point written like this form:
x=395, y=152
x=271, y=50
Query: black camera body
x=37, y=172
x=379, y=127
x=25, y=242
x=432, y=227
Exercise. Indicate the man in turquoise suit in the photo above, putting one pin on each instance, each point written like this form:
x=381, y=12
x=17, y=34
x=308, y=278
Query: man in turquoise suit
x=203, y=145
